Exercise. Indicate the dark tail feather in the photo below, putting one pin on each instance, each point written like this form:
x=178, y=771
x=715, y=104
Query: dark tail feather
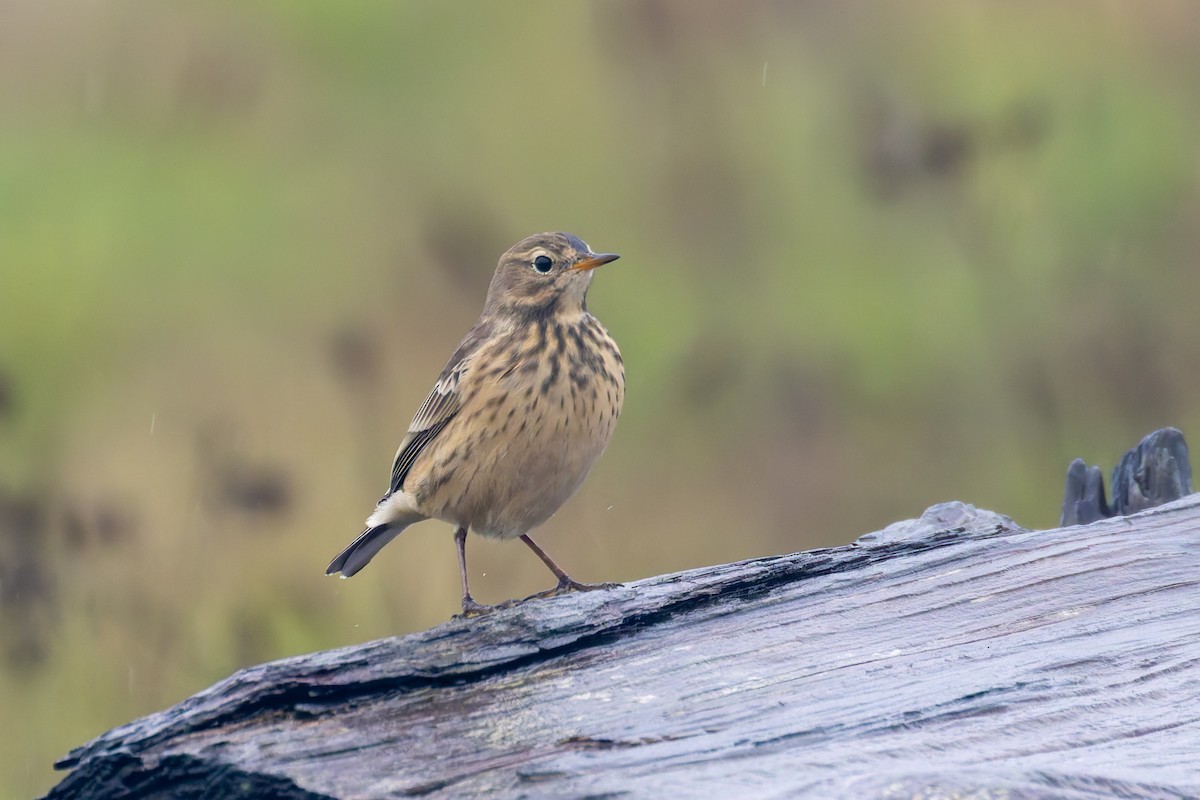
x=363, y=549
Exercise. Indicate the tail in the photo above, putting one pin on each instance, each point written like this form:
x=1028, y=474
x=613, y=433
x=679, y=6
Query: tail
x=359, y=552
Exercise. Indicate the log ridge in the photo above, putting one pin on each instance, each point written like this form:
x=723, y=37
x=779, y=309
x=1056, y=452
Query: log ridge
x=954, y=654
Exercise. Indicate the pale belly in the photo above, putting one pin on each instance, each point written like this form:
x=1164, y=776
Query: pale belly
x=523, y=446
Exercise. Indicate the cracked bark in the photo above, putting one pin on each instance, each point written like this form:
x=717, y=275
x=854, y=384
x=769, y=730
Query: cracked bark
x=955, y=653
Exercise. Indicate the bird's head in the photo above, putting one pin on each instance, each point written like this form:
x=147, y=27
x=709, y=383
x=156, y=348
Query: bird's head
x=547, y=273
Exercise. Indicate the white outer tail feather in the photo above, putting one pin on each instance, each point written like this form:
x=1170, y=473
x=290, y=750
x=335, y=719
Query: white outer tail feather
x=390, y=519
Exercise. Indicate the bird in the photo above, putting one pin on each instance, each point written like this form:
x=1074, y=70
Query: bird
x=517, y=418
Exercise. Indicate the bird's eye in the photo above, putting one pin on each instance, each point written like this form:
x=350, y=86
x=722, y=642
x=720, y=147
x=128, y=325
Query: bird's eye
x=542, y=264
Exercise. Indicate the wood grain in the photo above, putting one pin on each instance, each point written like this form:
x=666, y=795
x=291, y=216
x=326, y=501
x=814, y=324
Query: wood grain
x=952, y=655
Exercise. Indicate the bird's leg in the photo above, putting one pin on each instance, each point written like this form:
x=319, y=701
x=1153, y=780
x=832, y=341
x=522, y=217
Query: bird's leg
x=565, y=582
x=469, y=607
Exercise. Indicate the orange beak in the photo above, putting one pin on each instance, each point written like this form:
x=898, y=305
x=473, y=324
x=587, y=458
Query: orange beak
x=596, y=260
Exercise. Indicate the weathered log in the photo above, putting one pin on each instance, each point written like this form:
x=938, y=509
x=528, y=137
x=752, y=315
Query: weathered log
x=943, y=656
x=1157, y=471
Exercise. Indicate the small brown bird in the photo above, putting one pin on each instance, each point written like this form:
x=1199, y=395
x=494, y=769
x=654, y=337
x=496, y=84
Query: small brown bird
x=520, y=413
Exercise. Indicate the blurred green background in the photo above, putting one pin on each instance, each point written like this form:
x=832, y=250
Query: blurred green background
x=877, y=255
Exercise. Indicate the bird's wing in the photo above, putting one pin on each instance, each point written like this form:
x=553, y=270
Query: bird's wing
x=439, y=407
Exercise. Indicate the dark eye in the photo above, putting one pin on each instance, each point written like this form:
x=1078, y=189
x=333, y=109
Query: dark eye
x=542, y=264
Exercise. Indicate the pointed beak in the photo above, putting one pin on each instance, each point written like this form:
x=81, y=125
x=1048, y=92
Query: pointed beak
x=596, y=260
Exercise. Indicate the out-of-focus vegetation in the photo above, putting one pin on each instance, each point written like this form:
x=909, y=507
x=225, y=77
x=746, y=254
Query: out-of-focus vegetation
x=876, y=256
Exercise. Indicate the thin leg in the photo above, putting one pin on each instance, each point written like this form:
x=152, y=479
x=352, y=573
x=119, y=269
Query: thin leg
x=565, y=582
x=469, y=607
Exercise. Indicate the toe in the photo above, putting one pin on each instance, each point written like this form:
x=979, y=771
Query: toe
x=571, y=585
x=472, y=609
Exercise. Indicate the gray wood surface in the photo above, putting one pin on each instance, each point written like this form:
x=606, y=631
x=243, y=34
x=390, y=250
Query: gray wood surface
x=954, y=655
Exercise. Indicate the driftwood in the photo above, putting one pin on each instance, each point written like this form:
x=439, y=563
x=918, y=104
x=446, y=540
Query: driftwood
x=955, y=655
x=1157, y=471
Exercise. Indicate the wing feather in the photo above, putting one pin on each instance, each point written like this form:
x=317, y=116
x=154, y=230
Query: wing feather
x=442, y=404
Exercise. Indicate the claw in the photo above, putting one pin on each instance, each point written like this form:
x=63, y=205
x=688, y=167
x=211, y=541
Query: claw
x=567, y=585
x=472, y=609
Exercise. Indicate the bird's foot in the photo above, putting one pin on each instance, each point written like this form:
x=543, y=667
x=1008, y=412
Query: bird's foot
x=472, y=609
x=566, y=585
